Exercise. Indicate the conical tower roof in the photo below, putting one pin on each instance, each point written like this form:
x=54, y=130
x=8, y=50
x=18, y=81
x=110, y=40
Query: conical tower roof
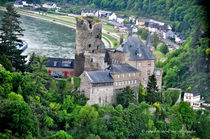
x=148, y=42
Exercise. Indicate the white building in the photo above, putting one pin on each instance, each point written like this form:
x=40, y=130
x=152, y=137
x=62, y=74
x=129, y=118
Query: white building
x=18, y=4
x=25, y=3
x=168, y=33
x=49, y=5
x=193, y=98
x=120, y=19
x=90, y=12
x=104, y=13
x=132, y=18
x=179, y=38
x=113, y=17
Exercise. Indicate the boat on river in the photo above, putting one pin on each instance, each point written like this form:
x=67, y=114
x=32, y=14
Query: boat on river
x=22, y=46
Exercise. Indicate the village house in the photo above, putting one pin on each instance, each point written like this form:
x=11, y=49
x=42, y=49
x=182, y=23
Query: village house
x=60, y=66
x=193, y=98
x=168, y=33
x=49, y=5
x=104, y=13
x=113, y=17
x=141, y=23
x=18, y=4
x=90, y=12
x=132, y=19
x=97, y=87
x=179, y=38
x=120, y=19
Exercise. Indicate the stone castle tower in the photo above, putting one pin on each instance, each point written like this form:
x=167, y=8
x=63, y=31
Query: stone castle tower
x=88, y=42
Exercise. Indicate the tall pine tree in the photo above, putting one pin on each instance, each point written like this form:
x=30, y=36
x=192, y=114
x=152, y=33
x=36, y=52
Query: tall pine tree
x=152, y=90
x=9, y=38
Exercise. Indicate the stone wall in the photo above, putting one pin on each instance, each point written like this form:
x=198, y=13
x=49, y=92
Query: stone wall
x=85, y=85
x=88, y=39
x=117, y=57
x=101, y=94
x=146, y=67
x=94, y=61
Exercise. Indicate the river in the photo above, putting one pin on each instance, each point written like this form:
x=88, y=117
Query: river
x=46, y=38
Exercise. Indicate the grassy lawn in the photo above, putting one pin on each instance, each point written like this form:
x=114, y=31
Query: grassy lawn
x=112, y=39
x=109, y=28
x=47, y=17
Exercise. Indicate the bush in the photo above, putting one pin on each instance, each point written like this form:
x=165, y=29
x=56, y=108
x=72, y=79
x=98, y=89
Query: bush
x=164, y=49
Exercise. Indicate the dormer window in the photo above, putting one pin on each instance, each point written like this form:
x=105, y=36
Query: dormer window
x=55, y=63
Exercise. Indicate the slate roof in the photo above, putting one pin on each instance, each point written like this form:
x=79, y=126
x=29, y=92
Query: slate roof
x=179, y=35
x=99, y=76
x=60, y=62
x=89, y=10
x=121, y=68
x=194, y=92
x=136, y=48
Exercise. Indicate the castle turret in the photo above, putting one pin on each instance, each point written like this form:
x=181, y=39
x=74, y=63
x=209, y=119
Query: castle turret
x=88, y=39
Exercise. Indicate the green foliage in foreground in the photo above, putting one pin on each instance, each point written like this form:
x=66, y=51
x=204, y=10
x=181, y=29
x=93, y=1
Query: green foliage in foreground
x=31, y=109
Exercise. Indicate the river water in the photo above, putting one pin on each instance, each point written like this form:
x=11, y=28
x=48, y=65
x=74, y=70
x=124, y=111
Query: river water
x=46, y=38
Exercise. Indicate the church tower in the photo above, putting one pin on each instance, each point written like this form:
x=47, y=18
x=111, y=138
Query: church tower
x=88, y=40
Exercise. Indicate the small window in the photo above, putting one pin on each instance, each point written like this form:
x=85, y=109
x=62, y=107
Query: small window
x=132, y=82
x=118, y=76
x=129, y=75
x=91, y=60
x=106, y=99
x=148, y=72
x=139, y=64
x=122, y=82
x=134, y=74
x=135, y=82
x=116, y=84
x=123, y=75
x=149, y=64
x=129, y=82
x=89, y=45
x=126, y=82
x=97, y=36
x=90, y=25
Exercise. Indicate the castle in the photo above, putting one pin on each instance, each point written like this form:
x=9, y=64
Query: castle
x=103, y=71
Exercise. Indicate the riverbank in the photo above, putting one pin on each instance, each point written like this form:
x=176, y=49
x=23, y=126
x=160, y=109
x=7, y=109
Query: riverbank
x=110, y=40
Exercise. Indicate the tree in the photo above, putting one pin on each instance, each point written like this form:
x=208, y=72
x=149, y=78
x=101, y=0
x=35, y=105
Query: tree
x=85, y=116
x=60, y=135
x=9, y=38
x=5, y=62
x=155, y=40
x=164, y=49
x=126, y=97
x=152, y=91
x=15, y=115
